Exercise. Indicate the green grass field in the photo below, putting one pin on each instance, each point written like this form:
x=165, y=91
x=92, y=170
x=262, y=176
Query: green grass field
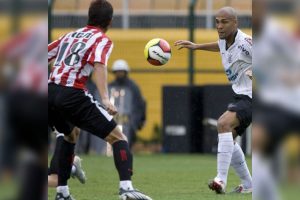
x=163, y=177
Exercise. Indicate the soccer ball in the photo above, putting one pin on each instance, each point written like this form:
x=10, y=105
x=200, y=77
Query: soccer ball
x=157, y=51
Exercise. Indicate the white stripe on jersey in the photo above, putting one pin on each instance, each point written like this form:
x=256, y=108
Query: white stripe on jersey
x=100, y=48
x=103, y=111
x=108, y=53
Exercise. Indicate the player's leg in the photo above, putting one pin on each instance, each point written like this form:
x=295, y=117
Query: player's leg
x=239, y=164
x=52, y=180
x=226, y=134
x=122, y=157
x=91, y=116
x=264, y=183
x=231, y=124
x=76, y=172
x=65, y=162
x=124, y=164
x=243, y=109
x=53, y=169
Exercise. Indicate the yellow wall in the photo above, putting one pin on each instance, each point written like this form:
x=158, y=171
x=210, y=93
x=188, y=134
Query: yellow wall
x=129, y=45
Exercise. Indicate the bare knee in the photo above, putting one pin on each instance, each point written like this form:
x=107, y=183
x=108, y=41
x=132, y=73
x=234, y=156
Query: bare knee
x=224, y=125
x=73, y=136
x=227, y=122
x=116, y=135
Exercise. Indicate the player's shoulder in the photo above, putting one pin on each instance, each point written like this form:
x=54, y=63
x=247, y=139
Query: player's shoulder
x=244, y=38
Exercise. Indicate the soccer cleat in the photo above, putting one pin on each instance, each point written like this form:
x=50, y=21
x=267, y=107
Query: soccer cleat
x=59, y=196
x=217, y=185
x=240, y=189
x=79, y=173
x=132, y=195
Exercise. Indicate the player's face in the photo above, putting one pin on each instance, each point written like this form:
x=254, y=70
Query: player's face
x=225, y=26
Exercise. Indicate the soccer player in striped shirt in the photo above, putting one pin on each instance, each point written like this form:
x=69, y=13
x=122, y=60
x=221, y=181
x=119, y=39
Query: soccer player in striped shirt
x=76, y=55
x=235, y=48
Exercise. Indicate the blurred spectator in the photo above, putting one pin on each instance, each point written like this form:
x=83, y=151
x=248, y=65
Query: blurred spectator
x=127, y=97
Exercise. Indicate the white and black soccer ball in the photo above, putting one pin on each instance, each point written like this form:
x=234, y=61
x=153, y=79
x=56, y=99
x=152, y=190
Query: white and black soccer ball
x=157, y=51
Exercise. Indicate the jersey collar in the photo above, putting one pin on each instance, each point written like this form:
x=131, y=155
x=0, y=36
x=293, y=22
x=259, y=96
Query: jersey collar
x=94, y=27
x=234, y=39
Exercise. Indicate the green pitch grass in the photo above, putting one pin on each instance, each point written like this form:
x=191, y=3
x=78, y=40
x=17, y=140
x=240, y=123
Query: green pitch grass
x=162, y=177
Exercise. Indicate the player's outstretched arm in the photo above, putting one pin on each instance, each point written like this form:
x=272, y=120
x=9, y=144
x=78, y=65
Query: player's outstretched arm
x=190, y=45
x=100, y=72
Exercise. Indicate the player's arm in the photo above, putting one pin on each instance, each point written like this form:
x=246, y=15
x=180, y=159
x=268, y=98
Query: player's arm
x=53, y=48
x=100, y=79
x=213, y=46
x=249, y=73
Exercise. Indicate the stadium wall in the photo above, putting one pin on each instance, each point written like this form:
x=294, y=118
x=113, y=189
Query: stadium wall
x=143, y=21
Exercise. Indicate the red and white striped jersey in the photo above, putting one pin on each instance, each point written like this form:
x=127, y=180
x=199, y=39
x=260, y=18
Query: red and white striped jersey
x=75, y=54
x=28, y=48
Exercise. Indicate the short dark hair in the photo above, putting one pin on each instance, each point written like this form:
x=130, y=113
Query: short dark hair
x=100, y=13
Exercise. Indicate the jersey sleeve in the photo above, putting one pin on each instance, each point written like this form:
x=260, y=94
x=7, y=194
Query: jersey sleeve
x=248, y=46
x=101, y=52
x=53, y=49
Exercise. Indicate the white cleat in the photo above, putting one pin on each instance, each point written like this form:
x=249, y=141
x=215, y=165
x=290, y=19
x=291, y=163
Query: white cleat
x=132, y=195
x=242, y=190
x=217, y=185
x=79, y=173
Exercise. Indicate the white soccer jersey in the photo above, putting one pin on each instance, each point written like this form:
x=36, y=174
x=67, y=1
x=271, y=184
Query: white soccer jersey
x=237, y=59
x=75, y=55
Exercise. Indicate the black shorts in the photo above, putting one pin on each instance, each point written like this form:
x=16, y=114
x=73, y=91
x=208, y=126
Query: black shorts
x=278, y=123
x=242, y=106
x=27, y=119
x=69, y=107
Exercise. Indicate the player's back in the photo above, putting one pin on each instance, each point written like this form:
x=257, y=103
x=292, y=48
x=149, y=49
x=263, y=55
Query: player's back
x=75, y=54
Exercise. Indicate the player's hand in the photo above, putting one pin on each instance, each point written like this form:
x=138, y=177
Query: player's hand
x=249, y=74
x=110, y=108
x=185, y=44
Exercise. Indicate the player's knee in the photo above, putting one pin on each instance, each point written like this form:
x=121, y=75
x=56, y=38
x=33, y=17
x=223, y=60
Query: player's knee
x=76, y=133
x=224, y=125
x=72, y=138
x=115, y=136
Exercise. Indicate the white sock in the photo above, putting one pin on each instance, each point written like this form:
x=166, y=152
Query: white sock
x=225, y=149
x=239, y=164
x=73, y=169
x=126, y=185
x=264, y=183
x=64, y=190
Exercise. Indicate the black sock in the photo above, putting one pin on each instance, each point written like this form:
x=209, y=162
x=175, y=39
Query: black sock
x=123, y=160
x=54, y=161
x=65, y=161
x=33, y=182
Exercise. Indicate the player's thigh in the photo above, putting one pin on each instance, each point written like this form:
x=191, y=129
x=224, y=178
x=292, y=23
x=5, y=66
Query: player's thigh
x=228, y=121
x=91, y=116
x=243, y=109
x=58, y=122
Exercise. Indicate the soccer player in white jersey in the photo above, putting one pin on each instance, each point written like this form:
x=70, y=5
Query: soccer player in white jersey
x=235, y=48
x=76, y=55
